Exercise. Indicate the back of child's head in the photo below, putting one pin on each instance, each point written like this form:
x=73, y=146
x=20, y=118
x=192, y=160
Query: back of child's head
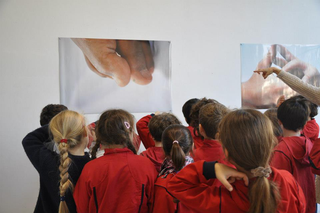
x=49, y=111
x=67, y=128
x=159, y=123
x=210, y=116
x=114, y=127
x=272, y=115
x=293, y=113
x=247, y=135
x=186, y=109
x=313, y=108
x=177, y=143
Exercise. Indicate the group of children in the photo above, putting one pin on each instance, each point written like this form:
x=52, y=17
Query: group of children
x=224, y=161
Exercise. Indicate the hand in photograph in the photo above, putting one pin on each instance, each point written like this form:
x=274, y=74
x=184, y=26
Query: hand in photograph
x=259, y=93
x=289, y=63
x=120, y=60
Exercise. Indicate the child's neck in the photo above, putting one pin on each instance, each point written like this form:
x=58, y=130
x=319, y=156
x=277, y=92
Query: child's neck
x=157, y=144
x=77, y=150
x=290, y=133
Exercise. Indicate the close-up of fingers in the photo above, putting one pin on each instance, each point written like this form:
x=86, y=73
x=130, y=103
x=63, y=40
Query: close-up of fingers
x=279, y=61
x=132, y=51
x=148, y=55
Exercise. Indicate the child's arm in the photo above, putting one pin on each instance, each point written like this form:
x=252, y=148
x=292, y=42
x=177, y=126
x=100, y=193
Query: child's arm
x=190, y=187
x=33, y=145
x=144, y=133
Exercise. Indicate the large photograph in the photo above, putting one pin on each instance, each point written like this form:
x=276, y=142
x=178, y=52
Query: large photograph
x=99, y=74
x=300, y=60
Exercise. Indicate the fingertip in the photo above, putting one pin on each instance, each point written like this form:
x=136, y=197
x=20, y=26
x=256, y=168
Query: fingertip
x=230, y=189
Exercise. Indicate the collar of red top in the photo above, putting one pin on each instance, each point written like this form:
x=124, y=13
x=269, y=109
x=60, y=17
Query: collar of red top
x=116, y=150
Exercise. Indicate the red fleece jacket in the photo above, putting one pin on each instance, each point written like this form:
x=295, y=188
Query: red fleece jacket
x=198, y=141
x=119, y=181
x=292, y=154
x=311, y=130
x=144, y=133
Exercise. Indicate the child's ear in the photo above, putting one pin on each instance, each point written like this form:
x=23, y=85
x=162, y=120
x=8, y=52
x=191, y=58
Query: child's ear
x=217, y=136
x=85, y=132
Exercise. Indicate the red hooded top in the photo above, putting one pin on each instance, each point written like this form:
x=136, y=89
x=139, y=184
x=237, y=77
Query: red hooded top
x=144, y=133
x=197, y=140
x=119, y=181
x=292, y=154
x=192, y=189
x=156, y=155
x=311, y=130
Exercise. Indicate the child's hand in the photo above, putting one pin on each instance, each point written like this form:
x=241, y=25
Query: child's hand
x=227, y=175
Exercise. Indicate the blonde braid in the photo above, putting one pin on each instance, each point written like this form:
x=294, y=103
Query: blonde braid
x=65, y=182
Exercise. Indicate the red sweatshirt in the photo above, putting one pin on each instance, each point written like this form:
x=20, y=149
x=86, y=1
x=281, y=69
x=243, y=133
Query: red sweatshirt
x=292, y=154
x=163, y=200
x=156, y=155
x=198, y=141
x=211, y=150
x=119, y=181
x=311, y=130
x=144, y=133
x=193, y=190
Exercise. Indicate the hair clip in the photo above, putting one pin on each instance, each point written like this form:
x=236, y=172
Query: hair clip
x=127, y=124
x=64, y=141
x=175, y=141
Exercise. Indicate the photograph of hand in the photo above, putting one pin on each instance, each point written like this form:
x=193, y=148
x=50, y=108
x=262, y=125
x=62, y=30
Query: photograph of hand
x=96, y=74
x=262, y=91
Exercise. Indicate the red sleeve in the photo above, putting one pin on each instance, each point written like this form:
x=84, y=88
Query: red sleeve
x=311, y=130
x=143, y=131
x=315, y=157
x=281, y=160
x=191, y=188
x=82, y=193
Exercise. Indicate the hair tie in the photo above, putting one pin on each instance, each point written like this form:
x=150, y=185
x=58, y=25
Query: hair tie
x=261, y=171
x=175, y=141
x=62, y=198
x=64, y=140
x=127, y=124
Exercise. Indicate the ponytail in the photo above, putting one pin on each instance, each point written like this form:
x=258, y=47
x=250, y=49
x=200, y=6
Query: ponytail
x=65, y=182
x=178, y=156
x=263, y=196
x=67, y=129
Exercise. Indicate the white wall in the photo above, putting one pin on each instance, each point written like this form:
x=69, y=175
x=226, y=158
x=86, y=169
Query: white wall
x=205, y=35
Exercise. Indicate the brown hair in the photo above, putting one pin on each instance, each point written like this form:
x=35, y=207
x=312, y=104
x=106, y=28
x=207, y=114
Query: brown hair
x=177, y=143
x=194, y=114
x=67, y=125
x=272, y=115
x=159, y=123
x=115, y=126
x=247, y=135
x=210, y=116
x=49, y=111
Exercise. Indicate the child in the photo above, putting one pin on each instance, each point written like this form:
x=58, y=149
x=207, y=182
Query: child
x=47, y=113
x=210, y=116
x=292, y=152
x=58, y=173
x=119, y=181
x=186, y=110
x=247, y=140
x=194, y=116
x=177, y=143
x=272, y=115
x=157, y=124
